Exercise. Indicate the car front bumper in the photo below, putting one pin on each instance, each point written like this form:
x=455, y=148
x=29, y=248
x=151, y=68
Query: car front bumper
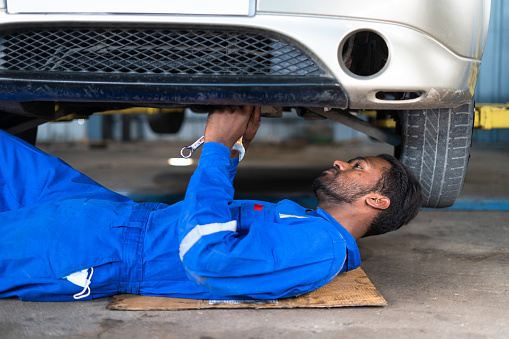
x=417, y=63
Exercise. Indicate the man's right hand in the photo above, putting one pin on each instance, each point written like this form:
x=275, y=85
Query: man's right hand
x=226, y=126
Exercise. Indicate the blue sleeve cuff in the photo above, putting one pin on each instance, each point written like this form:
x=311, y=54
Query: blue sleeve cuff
x=215, y=148
x=213, y=151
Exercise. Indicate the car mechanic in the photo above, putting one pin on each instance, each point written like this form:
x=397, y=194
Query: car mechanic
x=65, y=237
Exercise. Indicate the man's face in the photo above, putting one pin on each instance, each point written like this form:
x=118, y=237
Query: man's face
x=348, y=181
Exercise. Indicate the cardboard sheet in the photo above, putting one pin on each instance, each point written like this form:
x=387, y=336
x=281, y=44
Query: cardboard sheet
x=347, y=289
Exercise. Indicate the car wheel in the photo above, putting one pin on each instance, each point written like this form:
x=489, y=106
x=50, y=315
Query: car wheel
x=166, y=122
x=435, y=146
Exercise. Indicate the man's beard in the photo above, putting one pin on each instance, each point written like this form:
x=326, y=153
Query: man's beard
x=329, y=190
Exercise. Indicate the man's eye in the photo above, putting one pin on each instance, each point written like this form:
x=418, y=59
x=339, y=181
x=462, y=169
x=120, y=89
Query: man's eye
x=357, y=166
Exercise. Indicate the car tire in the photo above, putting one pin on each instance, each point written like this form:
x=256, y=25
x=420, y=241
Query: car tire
x=435, y=146
x=166, y=123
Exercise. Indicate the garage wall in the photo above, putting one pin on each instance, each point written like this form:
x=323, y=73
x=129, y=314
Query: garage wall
x=493, y=83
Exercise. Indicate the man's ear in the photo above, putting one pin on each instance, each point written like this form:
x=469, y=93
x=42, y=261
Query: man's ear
x=378, y=201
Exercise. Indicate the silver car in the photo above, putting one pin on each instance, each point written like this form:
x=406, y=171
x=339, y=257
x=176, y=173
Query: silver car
x=415, y=61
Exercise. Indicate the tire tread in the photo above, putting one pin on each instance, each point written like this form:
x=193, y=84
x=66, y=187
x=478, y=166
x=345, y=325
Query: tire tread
x=436, y=148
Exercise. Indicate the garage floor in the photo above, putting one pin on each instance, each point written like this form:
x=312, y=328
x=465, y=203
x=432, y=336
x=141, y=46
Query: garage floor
x=444, y=276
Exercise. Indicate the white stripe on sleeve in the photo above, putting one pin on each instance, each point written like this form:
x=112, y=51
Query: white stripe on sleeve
x=284, y=216
x=200, y=230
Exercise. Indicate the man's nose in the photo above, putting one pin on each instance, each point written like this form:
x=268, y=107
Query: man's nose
x=341, y=164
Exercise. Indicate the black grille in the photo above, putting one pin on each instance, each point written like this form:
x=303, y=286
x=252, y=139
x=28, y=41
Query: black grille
x=152, y=51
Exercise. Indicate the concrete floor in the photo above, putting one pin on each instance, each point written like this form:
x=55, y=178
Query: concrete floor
x=446, y=275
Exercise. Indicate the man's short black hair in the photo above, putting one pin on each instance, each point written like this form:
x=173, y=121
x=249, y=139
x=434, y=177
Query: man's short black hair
x=404, y=191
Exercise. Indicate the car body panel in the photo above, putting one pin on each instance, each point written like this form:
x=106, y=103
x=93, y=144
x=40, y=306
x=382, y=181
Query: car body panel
x=216, y=7
x=460, y=25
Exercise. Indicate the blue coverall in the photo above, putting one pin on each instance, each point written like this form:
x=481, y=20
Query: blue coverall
x=55, y=221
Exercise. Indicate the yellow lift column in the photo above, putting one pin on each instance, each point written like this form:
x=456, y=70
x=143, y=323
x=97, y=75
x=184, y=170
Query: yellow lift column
x=491, y=116
x=487, y=116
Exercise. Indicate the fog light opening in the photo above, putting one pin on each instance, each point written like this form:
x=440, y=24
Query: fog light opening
x=364, y=53
x=397, y=96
